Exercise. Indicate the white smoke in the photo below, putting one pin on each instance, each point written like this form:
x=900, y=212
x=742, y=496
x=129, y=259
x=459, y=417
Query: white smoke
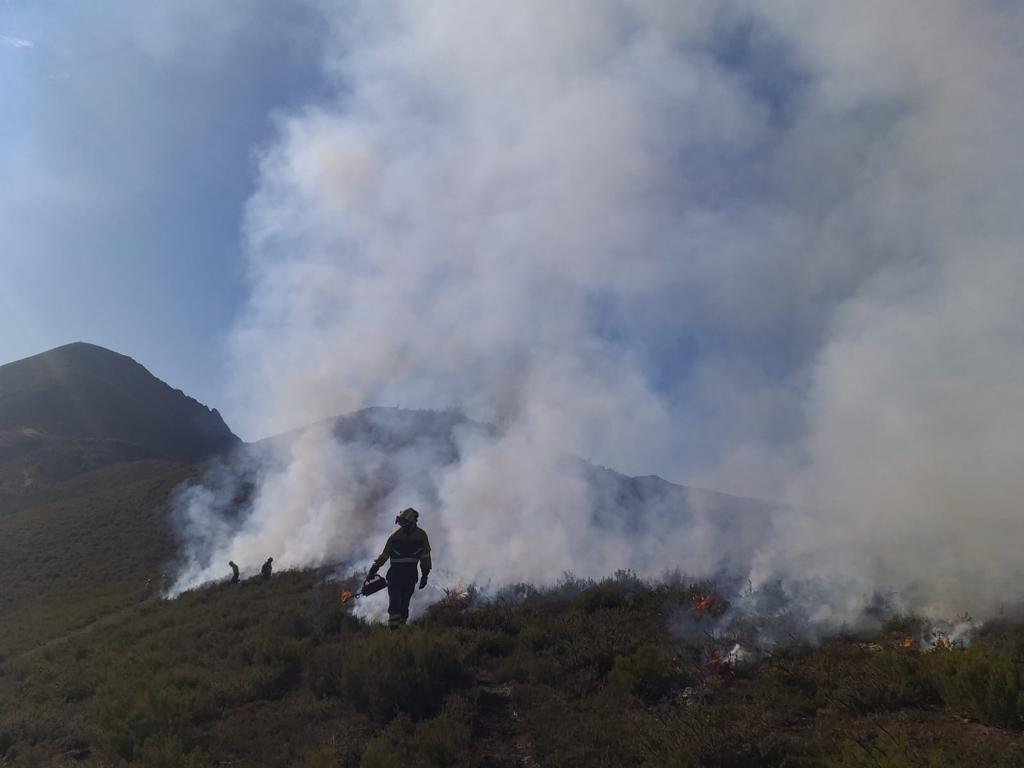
x=772, y=248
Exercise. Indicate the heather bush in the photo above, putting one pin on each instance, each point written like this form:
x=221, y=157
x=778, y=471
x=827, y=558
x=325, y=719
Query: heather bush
x=887, y=750
x=388, y=673
x=491, y=644
x=325, y=669
x=885, y=681
x=273, y=667
x=165, y=751
x=981, y=683
x=452, y=608
x=443, y=742
x=601, y=596
x=702, y=735
x=650, y=672
x=126, y=712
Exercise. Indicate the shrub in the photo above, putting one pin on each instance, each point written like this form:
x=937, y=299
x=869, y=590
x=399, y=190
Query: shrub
x=1003, y=637
x=330, y=757
x=453, y=607
x=890, y=680
x=490, y=643
x=325, y=669
x=23, y=755
x=77, y=689
x=402, y=672
x=887, y=751
x=438, y=743
x=125, y=713
x=701, y=735
x=980, y=683
x=601, y=596
x=168, y=752
x=272, y=666
x=535, y=638
x=649, y=672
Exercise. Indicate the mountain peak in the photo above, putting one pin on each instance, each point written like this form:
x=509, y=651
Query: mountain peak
x=84, y=391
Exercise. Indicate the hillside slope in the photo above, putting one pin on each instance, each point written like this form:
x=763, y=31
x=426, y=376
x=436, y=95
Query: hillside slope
x=586, y=675
x=66, y=561
x=91, y=446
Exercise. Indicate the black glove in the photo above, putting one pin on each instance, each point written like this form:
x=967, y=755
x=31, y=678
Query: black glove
x=423, y=581
x=372, y=572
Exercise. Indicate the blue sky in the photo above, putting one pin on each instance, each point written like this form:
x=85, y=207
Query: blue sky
x=687, y=210
x=127, y=142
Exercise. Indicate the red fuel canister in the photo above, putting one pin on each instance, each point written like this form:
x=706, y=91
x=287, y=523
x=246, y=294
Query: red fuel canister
x=373, y=584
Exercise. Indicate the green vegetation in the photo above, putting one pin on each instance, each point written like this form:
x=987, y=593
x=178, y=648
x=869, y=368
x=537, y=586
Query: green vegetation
x=279, y=674
x=980, y=683
x=444, y=741
x=76, y=560
x=402, y=673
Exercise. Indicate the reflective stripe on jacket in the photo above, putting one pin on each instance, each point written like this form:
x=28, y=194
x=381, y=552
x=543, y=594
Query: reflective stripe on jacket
x=407, y=547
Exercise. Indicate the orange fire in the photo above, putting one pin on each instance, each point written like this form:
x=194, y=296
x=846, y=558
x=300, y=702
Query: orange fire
x=906, y=642
x=706, y=602
x=345, y=597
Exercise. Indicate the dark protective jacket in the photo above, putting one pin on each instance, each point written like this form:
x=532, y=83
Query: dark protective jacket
x=407, y=546
x=267, y=569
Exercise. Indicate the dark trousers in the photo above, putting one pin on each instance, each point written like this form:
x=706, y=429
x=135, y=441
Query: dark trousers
x=402, y=580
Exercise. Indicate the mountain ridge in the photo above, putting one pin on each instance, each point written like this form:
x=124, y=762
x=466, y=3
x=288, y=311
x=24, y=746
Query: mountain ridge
x=78, y=370
x=79, y=407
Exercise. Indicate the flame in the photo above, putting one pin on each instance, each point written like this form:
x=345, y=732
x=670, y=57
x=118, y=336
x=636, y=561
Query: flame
x=906, y=642
x=345, y=597
x=705, y=603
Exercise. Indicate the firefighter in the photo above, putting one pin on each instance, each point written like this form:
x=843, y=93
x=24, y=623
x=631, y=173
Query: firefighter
x=407, y=547
x=268, y=568
x=234, y=571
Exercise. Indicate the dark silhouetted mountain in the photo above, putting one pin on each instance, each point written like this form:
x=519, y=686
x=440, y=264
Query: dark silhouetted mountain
x=84, y=391
x=80, y=407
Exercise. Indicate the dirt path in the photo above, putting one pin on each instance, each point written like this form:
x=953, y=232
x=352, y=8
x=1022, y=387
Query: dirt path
x=499, y=734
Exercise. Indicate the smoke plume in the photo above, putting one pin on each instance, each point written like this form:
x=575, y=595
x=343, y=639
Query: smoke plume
x=767, y=248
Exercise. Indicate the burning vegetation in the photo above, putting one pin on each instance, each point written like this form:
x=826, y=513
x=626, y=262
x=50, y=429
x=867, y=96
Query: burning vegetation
x=614, y=673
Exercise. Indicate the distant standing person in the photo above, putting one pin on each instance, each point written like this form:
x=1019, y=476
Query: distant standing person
x=406, y=547
x=234, y=571
x=268, y=568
